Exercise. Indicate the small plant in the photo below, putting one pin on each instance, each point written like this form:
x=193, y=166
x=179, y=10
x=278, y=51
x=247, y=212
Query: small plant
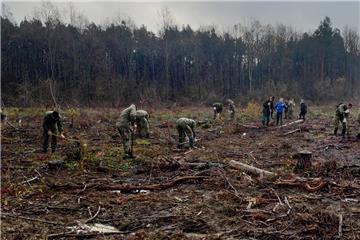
x=252, y=111
x=73, y=113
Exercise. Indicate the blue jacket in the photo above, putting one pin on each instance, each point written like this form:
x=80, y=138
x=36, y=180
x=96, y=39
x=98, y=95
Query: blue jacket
x=280, y=107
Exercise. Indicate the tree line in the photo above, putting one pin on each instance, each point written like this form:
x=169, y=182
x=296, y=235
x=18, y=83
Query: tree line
x=45, y=60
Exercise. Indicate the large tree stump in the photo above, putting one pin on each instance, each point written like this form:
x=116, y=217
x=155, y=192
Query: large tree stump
x=303, y=160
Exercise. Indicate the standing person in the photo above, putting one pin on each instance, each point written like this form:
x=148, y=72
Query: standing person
x=266, y=113
x=272, y=106
x=280, y=106
x=186, y=127
x=231, y=109
x=291, y=106
x=286, y=109
x=303, y=109
x=341, y=116
x=127, y=128
x=52, y=126
x=142, y=121
x=218, y=107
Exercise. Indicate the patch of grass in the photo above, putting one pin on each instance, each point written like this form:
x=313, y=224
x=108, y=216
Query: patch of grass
x=72, y=165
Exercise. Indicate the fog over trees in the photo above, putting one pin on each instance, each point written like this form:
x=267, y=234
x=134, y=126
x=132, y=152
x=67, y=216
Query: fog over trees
x=77, y=62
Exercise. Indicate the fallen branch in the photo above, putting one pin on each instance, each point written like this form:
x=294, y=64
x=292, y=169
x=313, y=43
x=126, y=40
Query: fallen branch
x=251, y=169
x=249, y=126
x=305, y=185
x=93, y=217
x=291, y=132
x=291, y=123
x=128, y=188
x=8, y=123
x=30, y=180
x=340, y=225
x=83, y=235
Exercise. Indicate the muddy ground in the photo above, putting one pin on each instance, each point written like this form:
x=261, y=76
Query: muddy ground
x=166, y=193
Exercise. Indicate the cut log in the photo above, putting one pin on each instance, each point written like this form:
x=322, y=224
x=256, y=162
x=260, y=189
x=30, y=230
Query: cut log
x=251, y=169
x=303, y=160
x=292, y=123
x=293, y=131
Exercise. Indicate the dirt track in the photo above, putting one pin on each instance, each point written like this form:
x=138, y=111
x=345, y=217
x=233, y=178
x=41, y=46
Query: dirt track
x=218, y=203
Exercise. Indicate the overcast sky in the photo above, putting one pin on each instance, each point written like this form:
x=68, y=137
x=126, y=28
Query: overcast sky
x=303, y=16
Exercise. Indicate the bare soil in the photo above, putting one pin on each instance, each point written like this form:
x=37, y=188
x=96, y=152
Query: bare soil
x=166, y=193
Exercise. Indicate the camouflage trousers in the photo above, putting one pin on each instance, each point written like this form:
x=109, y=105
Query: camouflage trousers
x=183, y=132
x=126, y=138
x=345, y=128
x=217, y=114
x=54, y=130
x=232, y=115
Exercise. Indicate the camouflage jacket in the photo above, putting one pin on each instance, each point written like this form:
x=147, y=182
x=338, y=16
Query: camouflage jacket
x=142, y=114
x=49, y=121
x=127, y=117
x=231, y=105
x=218, y=106
x=342, y=110
x=185, y=122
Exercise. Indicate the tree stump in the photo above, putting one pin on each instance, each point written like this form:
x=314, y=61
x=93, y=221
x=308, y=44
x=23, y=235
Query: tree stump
x=55, y=164
x=303, y=160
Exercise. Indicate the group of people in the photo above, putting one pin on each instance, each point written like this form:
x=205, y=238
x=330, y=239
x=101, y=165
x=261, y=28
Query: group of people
x=133, y=122
x=218, y=108
x=283, y=109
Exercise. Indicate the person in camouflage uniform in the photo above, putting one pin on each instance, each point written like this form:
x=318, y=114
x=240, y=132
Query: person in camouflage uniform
x=142, y=121
x=231, y=109
x=185, y=127
x=290, y=111
x=218, y=107
x=341, y=116
x=126, y=126
x=52, y=126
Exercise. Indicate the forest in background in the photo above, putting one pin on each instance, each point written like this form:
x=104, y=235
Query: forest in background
x=79, y=63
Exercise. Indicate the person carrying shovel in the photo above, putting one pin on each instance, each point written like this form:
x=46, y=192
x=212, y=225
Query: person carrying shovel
x=52, y=126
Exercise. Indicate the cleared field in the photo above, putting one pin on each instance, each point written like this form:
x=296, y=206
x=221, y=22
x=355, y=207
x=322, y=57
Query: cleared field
x=166, y=193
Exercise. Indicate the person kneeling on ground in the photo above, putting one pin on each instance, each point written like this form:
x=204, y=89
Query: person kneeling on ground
x=303, y=109
x=142, y=122
x=218, y=107
x=341, y=116
x=126, y=126
x=185, y=127
x=52, y=126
